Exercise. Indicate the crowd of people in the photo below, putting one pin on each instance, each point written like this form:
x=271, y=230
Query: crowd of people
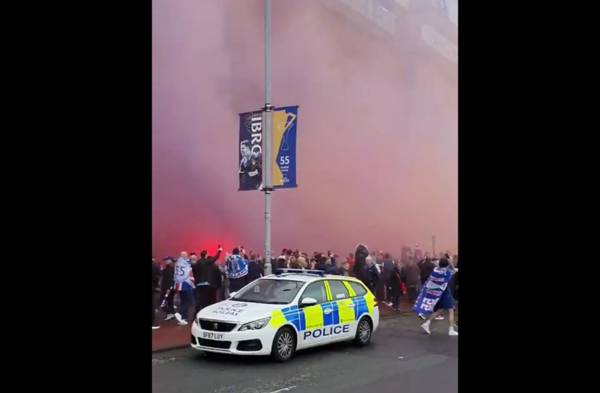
x=202, y=281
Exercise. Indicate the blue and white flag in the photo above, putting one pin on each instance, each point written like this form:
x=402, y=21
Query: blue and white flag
x=432, y=291
x=184, y=279
x=237, y=266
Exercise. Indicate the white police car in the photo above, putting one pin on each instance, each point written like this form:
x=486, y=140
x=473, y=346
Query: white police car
x=279, y=314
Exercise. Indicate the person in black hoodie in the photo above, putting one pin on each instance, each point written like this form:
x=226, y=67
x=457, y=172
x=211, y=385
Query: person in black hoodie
x=360, y=269
x=155, y=291
x=207, y=277
x=167, y=293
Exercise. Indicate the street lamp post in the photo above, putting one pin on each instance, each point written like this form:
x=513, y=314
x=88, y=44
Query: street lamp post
x=267, y=148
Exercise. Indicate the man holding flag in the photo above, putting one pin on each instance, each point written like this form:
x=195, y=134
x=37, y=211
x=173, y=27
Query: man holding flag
x=436, y=296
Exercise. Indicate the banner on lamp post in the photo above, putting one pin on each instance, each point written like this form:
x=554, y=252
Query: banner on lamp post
x=250, y=151
x=285, y=125
x=285, y=122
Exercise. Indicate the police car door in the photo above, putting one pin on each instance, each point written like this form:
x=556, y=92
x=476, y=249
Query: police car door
x=343, y=320
x=360, y=303
x=313, y=315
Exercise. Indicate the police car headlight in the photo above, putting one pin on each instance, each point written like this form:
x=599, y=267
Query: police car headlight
x=261, y=323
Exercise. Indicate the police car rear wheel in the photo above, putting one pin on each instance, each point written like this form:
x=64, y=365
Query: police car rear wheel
x=284, y=345
x=363, y=332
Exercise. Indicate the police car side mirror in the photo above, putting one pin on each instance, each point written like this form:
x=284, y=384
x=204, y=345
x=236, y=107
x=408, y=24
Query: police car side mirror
x=308, y=301
x=232, y=294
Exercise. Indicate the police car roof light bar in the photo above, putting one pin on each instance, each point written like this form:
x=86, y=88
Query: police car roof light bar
x=300, y=271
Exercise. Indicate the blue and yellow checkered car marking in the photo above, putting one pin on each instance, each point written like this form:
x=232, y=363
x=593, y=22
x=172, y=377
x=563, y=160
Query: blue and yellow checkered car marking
x=349, y=288
x=333, y=317
x=328, y=290
x=277, y=319
x=346, y=310
x=314, y=317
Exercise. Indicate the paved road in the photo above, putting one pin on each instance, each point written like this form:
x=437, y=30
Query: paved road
x=401, y=358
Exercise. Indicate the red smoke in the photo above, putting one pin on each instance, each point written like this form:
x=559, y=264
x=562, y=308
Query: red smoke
x=377, y=130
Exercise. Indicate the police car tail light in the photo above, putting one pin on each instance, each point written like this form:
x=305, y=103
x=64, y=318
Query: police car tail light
x=261, y=323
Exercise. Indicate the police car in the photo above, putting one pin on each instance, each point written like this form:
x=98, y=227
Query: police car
x=281, y=313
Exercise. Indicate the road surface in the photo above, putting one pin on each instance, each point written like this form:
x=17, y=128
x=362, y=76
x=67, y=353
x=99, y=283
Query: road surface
x=400, y=359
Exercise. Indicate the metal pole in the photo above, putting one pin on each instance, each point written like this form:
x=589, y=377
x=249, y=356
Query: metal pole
x=268, y=119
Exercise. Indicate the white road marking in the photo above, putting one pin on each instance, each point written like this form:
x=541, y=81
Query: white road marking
x=284, y=389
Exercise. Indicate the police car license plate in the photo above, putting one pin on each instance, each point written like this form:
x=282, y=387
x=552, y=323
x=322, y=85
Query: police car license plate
x=212, y=336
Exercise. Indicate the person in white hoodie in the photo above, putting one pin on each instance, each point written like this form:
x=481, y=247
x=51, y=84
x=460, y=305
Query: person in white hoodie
x=184, y=285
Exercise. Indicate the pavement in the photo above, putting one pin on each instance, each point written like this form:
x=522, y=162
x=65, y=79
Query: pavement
x=400, y=358
x=171, y=336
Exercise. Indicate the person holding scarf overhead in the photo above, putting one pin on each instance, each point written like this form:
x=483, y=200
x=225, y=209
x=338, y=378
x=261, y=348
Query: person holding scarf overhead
x=207, y=278
x=237, y=270
x=436, y=296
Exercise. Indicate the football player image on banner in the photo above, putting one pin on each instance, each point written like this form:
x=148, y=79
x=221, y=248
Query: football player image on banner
x=250, y=151
x=285, y=121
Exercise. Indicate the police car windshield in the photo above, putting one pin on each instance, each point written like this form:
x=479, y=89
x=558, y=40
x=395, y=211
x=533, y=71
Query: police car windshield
x=270, y=291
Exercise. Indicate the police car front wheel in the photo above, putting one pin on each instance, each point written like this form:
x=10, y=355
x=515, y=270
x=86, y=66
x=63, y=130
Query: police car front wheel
x=284, y=345
x=363, y=332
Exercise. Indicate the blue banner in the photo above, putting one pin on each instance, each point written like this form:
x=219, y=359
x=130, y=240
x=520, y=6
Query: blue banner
x=432, y=291
x=285, y=122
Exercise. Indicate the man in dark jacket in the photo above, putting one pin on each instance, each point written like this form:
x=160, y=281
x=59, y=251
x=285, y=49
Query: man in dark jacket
x=338, y=268
x=321, y=263
x=255, y=270
x=330, y=268
x=332, y=257
x=281, y=263
x=167, y=293
x=454, y=285
x=155, y=291
x=374, y=274
x=413, y=280
x=207, y=277
x=426, y=267
x=250, y=167
x=454, y=281
x=388, y=267
x=395, y=286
